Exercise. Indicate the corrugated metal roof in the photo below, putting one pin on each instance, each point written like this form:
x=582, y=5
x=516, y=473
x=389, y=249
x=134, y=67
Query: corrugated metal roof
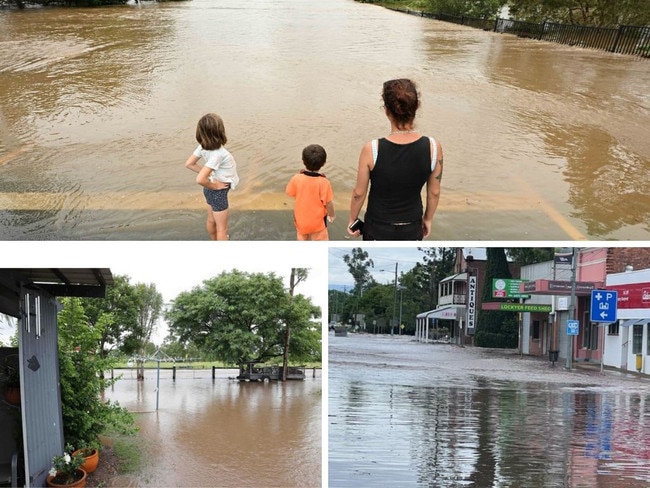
x=59, y=282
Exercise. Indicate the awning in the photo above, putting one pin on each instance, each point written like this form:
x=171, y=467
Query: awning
x=449, y=312
x=629, y=322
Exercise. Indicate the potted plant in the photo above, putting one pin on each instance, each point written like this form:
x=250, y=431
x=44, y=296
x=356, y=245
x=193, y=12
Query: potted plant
x=10, y=380
x=90, y=454
x=66, y=471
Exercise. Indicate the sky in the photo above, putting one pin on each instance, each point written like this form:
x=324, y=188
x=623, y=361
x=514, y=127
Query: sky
x=384, y=259
x=175, y=267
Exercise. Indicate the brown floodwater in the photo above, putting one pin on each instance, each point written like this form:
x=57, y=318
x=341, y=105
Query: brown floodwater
x=98, y=109
x=402, y=413
x=222, y=432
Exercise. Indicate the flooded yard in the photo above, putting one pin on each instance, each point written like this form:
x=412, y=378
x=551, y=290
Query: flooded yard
x=409, y=414
x=220, y=432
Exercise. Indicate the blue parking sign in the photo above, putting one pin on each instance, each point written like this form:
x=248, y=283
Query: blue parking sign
x=603, y=305
x=572, y=327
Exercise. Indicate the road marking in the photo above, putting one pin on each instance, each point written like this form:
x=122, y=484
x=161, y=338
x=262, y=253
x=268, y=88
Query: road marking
x=11, y=155
x=461, y=202
x=556, y=216
x=458, y=202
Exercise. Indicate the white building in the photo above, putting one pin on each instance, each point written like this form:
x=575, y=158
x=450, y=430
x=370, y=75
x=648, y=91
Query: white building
x=627, y=343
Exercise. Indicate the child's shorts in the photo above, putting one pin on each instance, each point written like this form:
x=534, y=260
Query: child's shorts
x=217, y=199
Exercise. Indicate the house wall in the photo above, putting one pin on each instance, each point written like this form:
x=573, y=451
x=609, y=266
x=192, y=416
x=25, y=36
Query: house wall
x=618, y=348
x=592, y=266
x=539, y=347
x=42, y=422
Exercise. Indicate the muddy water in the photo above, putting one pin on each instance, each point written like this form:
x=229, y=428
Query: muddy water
x=410, y=414
x=225, y=433
x=98, y=109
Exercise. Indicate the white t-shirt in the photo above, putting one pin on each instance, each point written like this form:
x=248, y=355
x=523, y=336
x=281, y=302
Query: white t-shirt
x=223, y=165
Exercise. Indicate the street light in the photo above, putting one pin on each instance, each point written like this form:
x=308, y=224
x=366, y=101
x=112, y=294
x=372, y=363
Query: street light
x=399, y=325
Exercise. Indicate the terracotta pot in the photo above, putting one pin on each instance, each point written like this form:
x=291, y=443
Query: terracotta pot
x=12, y=395
x=80, y=483
x=91, y=459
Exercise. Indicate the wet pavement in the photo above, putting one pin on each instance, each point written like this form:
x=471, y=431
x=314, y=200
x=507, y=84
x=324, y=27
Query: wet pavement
x=403, y=413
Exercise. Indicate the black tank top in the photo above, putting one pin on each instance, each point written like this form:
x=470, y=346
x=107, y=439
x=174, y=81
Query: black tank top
x=396, y=181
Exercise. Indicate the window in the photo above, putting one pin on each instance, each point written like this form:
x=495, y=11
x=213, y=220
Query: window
x=594, y=336
x=637, y=339
x=535, y=330
x=612, y=329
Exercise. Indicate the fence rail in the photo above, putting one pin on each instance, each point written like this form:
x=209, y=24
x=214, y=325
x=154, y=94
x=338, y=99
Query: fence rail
x=625, y=39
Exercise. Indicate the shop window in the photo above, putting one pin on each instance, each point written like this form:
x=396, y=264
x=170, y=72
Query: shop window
x=637, y=339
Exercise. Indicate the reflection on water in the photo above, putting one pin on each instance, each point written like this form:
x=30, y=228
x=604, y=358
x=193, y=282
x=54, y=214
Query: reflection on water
x=405, y=414
x=98, y=109
x=224, y=433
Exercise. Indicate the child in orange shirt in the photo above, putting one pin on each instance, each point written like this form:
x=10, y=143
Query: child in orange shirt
x=314, y=197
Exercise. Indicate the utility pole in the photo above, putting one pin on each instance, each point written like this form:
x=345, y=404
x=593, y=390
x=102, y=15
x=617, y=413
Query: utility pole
x=394, y=302
x=572, y=309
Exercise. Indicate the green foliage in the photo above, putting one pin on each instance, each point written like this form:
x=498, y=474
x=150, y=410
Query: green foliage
x=65, y=467
x=359, y=265
x=417, y=291
x=584, y=12
x=496, y=328
x=530, y=255
x=85, y=414
x=239, y=316
x=121, y=305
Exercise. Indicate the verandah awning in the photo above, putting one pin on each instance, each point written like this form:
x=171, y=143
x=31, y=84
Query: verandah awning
x=449, y=312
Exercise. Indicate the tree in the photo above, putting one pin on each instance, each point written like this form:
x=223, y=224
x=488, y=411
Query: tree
x=584, y=12
x=359, y=265
x=121, y=303
x=297, y=276
x=496, y=328
x=530, y=255
x=85, y=415
x=237, y=317
x=149, y=308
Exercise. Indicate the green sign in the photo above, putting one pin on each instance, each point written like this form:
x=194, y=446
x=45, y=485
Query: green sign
x=507, y=288
x=524, y=307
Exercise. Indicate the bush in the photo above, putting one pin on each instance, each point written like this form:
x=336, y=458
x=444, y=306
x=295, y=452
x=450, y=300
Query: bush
x=85, y=415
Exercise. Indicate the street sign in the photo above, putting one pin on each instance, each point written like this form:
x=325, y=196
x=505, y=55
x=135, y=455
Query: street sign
x=507, y=288
x=603, y=306
x=572, y=327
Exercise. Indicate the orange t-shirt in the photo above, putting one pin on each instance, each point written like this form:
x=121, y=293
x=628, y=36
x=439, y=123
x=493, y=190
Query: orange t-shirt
x=312, y=192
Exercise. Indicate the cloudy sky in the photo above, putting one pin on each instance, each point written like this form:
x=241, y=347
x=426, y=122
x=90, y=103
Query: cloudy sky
x=175, y=267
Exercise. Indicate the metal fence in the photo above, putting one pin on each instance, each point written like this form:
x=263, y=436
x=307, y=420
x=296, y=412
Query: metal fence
x=625, y=39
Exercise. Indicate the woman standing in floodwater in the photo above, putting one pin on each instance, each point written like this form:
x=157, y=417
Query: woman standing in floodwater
x=396, y=168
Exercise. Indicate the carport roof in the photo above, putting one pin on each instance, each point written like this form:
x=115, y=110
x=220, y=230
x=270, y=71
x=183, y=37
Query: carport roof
x=59, y=282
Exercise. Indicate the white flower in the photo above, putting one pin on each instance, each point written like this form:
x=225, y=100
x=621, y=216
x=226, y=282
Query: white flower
x=53, y=472
x=67, y=458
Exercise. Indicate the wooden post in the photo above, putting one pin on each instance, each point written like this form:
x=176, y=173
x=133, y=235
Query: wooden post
x=174, y=372
x=213, y=371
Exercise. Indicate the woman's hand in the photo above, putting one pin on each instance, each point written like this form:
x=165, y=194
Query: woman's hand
x=426, y=228
x=355, y=233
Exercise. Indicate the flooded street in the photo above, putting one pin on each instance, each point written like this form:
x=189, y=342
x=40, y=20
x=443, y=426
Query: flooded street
x=224, y=433
x=98, y=109
x=403, y=413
